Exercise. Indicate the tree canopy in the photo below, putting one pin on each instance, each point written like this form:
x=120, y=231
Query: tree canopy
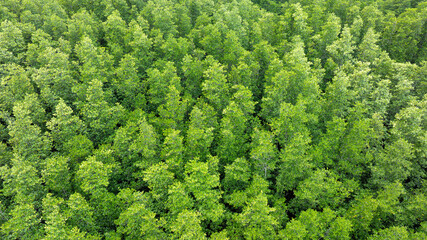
x=213, y=119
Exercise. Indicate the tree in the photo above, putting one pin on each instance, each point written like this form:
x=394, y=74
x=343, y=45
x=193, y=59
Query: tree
x=329, y=33
x=23, y=224
x=202, y=181
x=127, y=84
x=173, y=111
x=158, y=81
x=115, y=29
x=159, y=178
x=64, y=126
x=79, y=214
x=263, y=153
x=368, y=49
x=140, y=44
x=393, y=164
x=93, y=175
x=199, y=135
x=312, y=224
x=257, y=220
x=55, y=221
x=11, y=42
x=80, y=24
x=237, y=176
x=173, y=151
x=323, y=189
x=295, y=164
x=101, y=118
x=137, y=222
x=178, y=200
x=26, y=138
x=391, y=233
x=187, y=226
x=291, y=121
x=212, y=39
x=215, y=86
x=15, y=85
x=341, y=50
x=232, y=136
x=192, y=68
x=96, y=65
x=56, y=175
x=299, y=17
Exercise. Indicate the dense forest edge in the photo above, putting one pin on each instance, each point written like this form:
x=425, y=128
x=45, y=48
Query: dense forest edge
x=213, y=119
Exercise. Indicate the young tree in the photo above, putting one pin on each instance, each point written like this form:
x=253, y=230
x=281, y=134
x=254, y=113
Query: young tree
x=159, y=178
x=139, y=222
x=115, y=30
x=24, y=223
x=12, y=43
x=158, y=81
x=100, y=117
x=295, y=164
x=323, y=189
x=173, y=151
x=199, y=135
x=257, y=220
x=187, y=226
x=202, y=181
x=127, y=84
x=173, y=111
x=15, y=85
x=64, y=126
x=56, y=175
x=215, y=86
x=263, y=152
x=79, y=214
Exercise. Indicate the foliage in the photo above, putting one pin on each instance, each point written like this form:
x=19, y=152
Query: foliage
x=213, y=119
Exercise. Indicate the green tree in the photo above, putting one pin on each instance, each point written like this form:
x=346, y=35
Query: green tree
x=295, y=164
x=26, y=138
x=12, y=43
x=159, y=178
x=158, y=81
x=79, y=214
x=81, y=24
x=95, y=63
x=199, y=135
x=55, y=221
x=93, y=175
x=173, y=151
x=323, y=189
x=202, y=181
x=138, y=222
x=342, y=49
x=56, y=175
x=263, y=151
x=393, y=164
x=115, y=29
x=173, y=111
x=256, y=220
x=368, y=49
x=187, y=226
x=23, y=224
x=100, y=117
x=140, y=44
x=215, y=86
x=15, y=85
x=64, y=126
x=127, y=83
x=312, y=224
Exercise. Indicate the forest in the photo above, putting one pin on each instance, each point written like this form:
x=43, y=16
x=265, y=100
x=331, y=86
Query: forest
x=213, y=119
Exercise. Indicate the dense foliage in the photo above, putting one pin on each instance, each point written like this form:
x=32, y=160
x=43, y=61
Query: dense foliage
x=220, y=119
